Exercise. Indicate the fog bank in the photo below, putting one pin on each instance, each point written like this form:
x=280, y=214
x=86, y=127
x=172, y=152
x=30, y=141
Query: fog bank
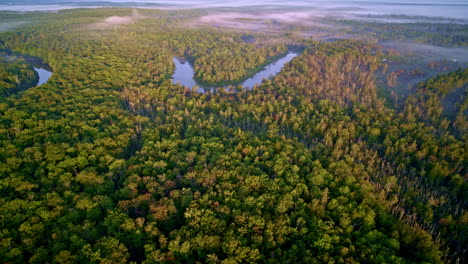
x=451, y=9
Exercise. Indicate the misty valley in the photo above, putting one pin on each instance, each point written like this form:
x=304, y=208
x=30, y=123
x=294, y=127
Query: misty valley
x=210, y=132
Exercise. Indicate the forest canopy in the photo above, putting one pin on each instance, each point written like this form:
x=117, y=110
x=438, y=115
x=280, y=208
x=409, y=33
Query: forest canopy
x=354, y=153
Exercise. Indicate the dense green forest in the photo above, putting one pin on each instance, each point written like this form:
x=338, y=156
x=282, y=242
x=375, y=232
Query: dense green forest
x=109, y=162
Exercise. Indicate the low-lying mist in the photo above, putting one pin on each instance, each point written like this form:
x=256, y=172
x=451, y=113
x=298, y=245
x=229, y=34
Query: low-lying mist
x=112, y=21
x=263, y=21
x=429, y=53
x=8, y=26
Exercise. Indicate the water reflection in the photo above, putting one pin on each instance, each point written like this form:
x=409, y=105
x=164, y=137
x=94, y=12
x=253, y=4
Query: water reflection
x=184, y=73
x=271, y=70
x=44, y=75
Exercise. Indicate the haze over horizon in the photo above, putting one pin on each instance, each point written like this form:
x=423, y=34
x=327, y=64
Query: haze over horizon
x=452, y=9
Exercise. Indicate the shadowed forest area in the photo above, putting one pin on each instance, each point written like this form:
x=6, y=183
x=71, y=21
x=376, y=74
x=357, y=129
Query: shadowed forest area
x=354, y=153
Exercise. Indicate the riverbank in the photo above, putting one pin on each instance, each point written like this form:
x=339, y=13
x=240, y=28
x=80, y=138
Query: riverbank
x=20, y=72
x=250, y=73
x=184, y=73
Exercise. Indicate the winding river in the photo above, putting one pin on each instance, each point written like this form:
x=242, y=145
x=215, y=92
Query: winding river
x=184, y=73
x=43, y=70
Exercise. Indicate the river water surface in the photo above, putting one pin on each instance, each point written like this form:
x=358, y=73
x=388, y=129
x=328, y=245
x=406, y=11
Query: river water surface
x=184, y=73
x=44, y=75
